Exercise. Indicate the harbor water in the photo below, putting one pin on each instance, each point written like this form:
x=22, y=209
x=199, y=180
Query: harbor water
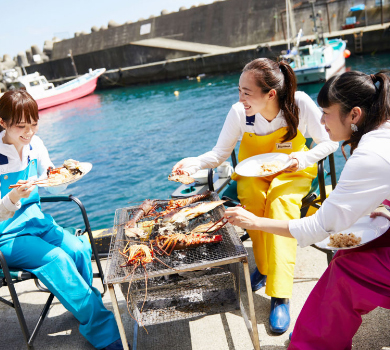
x=134, y=135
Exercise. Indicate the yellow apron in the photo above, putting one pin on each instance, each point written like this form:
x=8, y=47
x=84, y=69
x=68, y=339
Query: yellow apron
x=276, y=197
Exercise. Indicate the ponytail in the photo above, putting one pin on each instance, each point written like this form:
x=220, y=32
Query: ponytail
x=280, y=76
x=287, y=101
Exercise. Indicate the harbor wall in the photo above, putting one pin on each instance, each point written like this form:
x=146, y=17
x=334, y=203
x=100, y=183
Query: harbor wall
x=231, y=24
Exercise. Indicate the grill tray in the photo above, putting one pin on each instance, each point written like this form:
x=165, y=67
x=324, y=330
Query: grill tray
x=229, y=250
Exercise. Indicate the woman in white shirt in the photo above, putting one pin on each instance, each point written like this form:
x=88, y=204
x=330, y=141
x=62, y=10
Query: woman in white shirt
x=356, y=109
x=270, y=117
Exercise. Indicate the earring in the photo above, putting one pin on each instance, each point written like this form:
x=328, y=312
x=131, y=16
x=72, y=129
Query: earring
x=354, y=127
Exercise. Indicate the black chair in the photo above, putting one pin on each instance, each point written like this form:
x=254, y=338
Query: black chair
x=314, y=198
x=9, y=277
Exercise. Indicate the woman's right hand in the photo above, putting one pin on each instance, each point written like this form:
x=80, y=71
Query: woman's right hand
x=178, y=168
x=22, y=191
x=186, y=166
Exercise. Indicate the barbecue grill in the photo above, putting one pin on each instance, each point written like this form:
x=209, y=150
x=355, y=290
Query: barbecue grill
x=189, y=283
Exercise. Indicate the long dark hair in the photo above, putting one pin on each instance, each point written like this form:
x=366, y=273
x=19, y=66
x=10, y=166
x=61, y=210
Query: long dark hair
x=357, y=89
x=18, y=105
x=280, y=77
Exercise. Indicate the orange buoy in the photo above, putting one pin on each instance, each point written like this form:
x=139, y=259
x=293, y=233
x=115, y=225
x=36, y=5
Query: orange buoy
x=347, y=53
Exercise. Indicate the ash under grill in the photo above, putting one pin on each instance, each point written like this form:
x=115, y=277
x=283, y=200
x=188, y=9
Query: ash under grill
x=207, y=255
x=188, y=295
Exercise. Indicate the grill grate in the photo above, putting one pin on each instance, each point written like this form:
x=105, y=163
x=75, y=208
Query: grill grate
x=229, y=250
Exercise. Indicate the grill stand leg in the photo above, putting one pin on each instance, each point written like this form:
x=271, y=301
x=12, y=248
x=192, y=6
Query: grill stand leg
x=118, y=316
x=252, y=329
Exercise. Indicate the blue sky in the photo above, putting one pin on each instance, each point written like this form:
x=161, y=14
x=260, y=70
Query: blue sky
x=25, y=22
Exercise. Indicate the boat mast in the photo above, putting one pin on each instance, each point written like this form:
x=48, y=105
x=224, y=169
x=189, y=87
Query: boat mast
x=314, y=23
x=73, y=64
x=288, y=24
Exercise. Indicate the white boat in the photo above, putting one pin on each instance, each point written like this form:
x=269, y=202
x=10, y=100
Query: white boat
x=317, y=62
x=47, y=95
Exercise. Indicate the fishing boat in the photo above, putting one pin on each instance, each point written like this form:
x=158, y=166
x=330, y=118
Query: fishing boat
x=318, y=61
x=47, y=95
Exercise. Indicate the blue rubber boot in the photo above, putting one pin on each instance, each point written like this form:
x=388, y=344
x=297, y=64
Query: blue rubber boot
x=116, y=345
x=257, y=280
x=279, y=317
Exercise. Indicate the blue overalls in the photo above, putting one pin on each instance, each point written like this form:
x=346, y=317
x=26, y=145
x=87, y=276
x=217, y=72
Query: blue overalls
x=33, y=241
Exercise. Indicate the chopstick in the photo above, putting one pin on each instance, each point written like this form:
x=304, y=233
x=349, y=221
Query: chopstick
x=34, y=183
x=216, y=223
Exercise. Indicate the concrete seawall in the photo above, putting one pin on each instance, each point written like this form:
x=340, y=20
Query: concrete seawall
x=373, y=39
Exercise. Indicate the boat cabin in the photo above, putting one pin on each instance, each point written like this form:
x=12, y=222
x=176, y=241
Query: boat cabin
x=35, y=83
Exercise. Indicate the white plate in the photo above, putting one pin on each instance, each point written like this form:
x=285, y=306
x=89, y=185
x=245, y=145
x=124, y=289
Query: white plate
x=366, y=228
x=85, y=168
x=250, y=167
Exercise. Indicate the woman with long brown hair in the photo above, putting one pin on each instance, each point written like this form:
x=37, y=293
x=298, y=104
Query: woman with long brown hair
x=271, y=116
x=356, y=109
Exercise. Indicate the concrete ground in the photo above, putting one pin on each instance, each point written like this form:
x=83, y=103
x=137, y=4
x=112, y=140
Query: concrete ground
x=215, y=332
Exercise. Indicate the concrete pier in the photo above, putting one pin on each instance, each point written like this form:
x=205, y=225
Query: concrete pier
x=225, y=331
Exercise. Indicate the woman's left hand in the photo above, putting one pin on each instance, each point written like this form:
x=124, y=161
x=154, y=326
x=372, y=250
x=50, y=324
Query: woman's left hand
x=238, y=216
x=293, y=167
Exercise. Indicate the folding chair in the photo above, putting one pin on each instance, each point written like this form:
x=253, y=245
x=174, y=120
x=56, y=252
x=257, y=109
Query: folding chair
x=314, y=198
x=9, y=277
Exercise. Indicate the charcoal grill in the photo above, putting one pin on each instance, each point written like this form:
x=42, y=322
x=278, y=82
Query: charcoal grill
x=198, y=281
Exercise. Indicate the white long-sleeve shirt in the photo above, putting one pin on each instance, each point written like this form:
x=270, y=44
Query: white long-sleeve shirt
x=38, y=151
x=236, y=125
x=364, y=184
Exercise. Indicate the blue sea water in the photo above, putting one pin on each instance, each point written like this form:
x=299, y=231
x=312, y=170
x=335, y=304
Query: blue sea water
x=134, y=135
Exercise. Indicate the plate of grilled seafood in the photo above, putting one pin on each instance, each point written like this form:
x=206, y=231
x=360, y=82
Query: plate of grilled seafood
x=362, y=232
x=263, y=165
x=70, y=172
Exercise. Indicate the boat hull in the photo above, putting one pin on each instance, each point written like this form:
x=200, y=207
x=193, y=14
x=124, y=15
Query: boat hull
x=68, y=96
x=70, y=91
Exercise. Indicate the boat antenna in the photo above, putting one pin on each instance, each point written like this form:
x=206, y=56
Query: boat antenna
x=314, y=22
x=73, y=64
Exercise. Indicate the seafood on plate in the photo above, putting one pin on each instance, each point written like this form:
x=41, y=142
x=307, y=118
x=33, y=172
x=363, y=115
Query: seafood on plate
x=270, y=167
x=166, y=244
x=182, y=178
x=343, y=240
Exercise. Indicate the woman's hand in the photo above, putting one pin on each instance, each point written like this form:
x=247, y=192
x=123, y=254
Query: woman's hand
x=187, y=166
x=238, y=216
x=23, y=191
x=178, y=168
x=293, y=167
x=374, y=214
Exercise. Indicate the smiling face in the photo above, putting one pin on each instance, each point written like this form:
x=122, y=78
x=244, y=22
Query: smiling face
x=337, y=125
x=251, y=95
x=19, y=134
